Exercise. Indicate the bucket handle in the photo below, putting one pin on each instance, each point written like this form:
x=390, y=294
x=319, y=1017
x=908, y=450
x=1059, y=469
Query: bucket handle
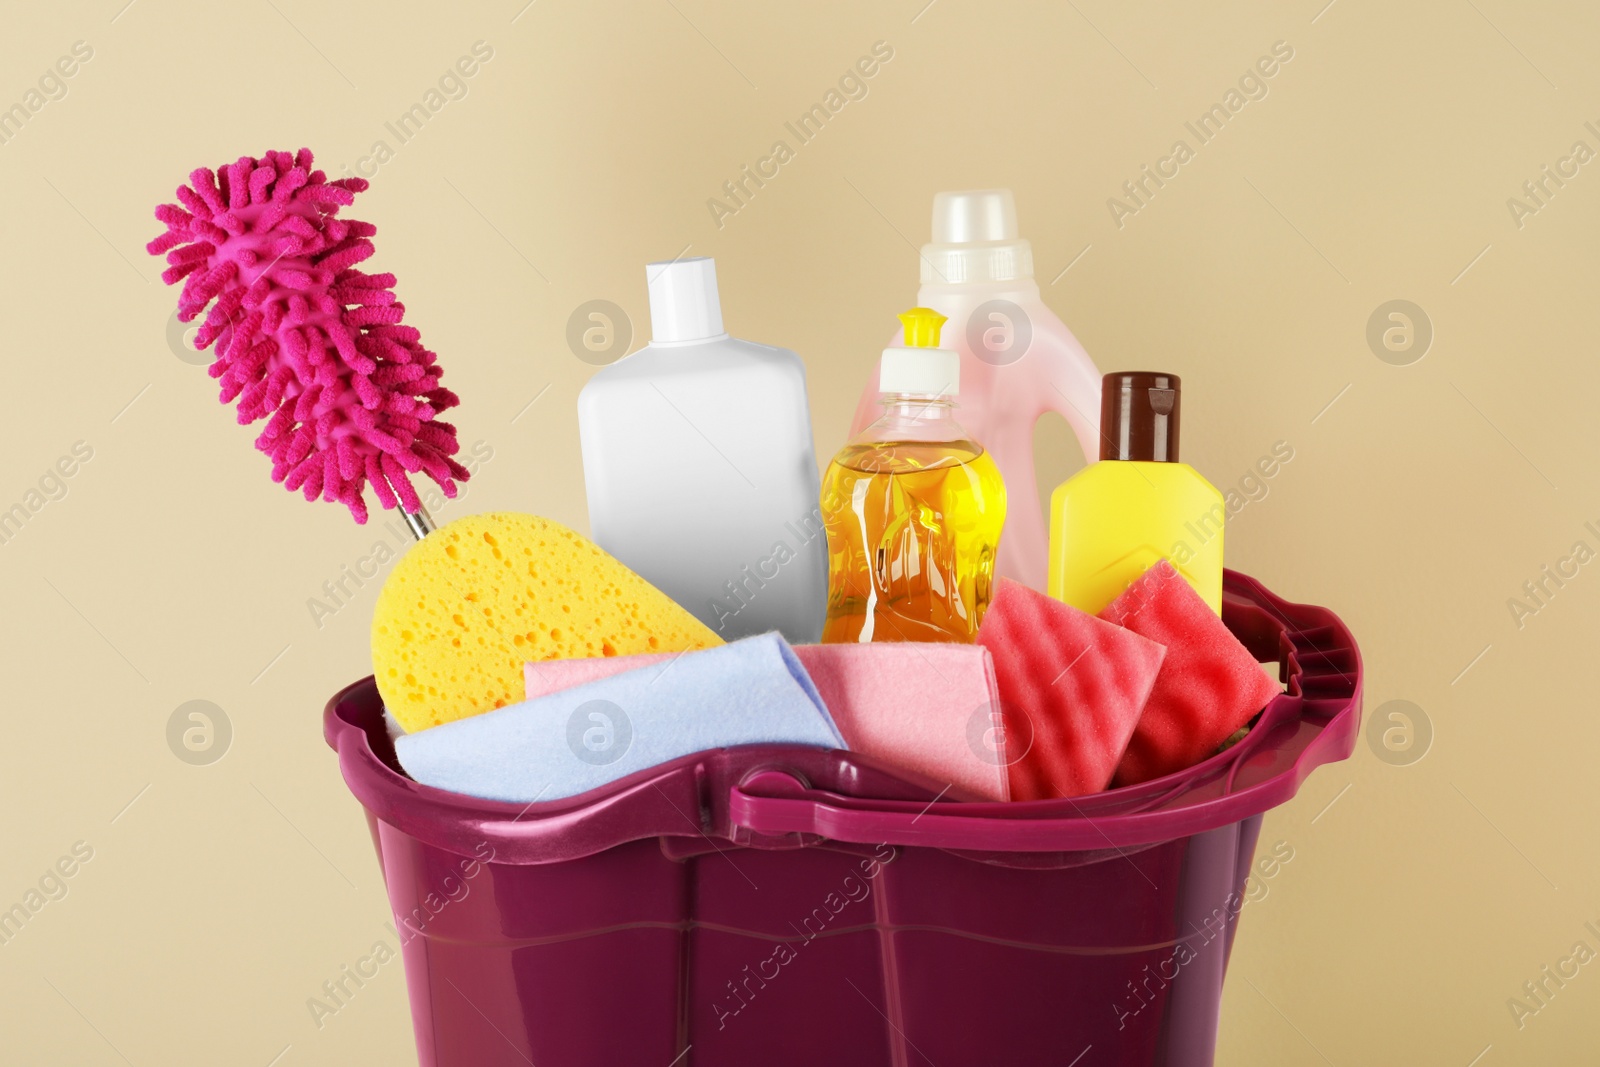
x=1320, y=713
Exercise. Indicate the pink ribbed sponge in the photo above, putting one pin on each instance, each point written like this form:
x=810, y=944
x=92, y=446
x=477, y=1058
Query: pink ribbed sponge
x=304, y=339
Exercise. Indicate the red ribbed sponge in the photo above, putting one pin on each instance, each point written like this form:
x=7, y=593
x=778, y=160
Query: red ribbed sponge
x=1071, y=690
x=303, y=338
x=1209, y=686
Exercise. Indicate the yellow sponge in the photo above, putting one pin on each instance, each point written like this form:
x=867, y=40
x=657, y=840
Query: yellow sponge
x=467, y=606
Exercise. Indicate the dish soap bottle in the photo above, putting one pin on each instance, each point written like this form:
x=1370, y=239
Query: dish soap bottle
x=699, y=467
x=1115, y=519
x=1018, y=359
x=913, y=507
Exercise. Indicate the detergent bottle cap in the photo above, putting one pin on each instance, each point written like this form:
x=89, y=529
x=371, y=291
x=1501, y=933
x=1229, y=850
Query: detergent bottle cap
x=975, y=239
x=920, y=367
x=684, y=305
x=1139, y=416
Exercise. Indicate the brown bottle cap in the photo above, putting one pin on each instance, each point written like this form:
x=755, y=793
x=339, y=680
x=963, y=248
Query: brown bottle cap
x=1139, y=416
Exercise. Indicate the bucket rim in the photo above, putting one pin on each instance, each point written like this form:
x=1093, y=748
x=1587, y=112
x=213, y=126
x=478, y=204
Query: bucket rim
x=773, y=796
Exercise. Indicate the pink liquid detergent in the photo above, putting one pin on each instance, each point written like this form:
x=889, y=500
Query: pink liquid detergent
x=1018, y=359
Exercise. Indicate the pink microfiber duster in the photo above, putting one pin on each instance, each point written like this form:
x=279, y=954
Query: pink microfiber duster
x=304, y=339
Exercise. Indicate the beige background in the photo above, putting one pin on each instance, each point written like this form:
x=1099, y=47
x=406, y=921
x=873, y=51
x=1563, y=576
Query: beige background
x=1421, y=895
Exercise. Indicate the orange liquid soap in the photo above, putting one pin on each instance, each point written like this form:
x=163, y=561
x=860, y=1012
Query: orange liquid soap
x=913, y=509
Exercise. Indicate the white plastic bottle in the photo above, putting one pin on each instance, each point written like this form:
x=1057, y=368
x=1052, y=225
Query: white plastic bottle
x=698, y=461
x=1018, y=359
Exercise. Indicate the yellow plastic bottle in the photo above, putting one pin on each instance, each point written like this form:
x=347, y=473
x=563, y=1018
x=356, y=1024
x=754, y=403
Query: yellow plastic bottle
x=913, y=507
x=1115, y=519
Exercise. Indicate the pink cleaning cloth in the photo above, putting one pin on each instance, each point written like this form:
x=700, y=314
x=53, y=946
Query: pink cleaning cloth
x=932, y=709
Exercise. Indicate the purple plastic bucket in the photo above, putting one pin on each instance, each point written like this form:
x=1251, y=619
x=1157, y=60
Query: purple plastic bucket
x=780, y=906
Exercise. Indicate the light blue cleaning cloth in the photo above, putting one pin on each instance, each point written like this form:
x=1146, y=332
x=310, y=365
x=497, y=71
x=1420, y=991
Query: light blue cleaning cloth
x=749, y=692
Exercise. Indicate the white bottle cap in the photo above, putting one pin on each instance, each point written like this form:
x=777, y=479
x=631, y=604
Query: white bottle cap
x=684, y=306
x=920, y=371
x=975, y=239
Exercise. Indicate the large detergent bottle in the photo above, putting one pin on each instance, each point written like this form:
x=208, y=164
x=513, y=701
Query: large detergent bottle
x=699, y=467
x=1018, y=359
